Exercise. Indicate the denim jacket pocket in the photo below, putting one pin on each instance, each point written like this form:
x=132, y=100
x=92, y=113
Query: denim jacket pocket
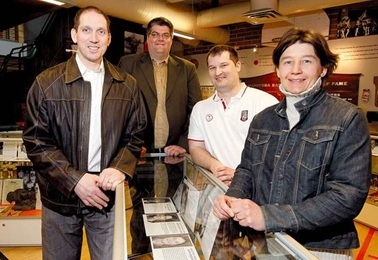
x=258, y=143
x=316, y=148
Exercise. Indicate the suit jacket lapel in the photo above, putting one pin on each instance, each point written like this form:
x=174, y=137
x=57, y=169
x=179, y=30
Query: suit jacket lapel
x=173, y=74
x=147, y=68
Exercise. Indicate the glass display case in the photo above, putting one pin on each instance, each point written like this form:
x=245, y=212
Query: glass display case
x=193, y=191
x=369, y=213
x=20, y=214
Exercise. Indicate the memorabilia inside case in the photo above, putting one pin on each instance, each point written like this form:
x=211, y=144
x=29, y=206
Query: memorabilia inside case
x=369, y=211
x=20, y=204
x=224, y=239
x=373, y=190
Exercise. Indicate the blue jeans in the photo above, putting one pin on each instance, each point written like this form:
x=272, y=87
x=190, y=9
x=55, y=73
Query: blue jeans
x=62, y=236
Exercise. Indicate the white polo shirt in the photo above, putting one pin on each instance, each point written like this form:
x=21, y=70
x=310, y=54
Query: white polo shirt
x=223, y=127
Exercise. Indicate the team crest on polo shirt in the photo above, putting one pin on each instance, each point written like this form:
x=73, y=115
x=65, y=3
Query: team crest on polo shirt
x=209, y=117
x=244, y=115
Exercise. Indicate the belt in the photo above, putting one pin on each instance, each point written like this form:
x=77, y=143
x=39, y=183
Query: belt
x=158, y=150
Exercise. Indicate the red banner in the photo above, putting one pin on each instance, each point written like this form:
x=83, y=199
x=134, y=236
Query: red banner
x=344, y=86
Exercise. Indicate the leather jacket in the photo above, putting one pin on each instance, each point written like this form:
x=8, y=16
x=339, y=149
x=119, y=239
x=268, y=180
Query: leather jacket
x=311, y=181
x=56, y=132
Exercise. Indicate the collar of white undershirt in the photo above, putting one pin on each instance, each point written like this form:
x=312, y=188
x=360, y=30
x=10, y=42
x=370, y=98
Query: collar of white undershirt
x=83, y=69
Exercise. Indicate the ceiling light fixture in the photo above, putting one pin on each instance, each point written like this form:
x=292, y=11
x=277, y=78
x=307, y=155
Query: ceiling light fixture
x=179, y=34
x=54, y=2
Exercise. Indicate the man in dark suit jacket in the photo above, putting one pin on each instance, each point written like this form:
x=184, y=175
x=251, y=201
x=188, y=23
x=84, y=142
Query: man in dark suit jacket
x=179, y=81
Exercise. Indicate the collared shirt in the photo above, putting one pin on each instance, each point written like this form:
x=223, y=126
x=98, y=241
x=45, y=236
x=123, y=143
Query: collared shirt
x=96, y=78
x=224, y=127
x=161, y=127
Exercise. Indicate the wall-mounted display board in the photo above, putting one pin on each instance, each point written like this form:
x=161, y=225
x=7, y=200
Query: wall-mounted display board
x=344, y=86
x=356, y=70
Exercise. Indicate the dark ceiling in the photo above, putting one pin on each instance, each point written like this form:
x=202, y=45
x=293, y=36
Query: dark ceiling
x=16, y=12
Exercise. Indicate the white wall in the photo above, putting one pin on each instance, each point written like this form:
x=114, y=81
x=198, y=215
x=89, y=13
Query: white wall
x=359, y=55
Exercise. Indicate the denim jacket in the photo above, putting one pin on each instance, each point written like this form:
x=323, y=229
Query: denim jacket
x=311, y=181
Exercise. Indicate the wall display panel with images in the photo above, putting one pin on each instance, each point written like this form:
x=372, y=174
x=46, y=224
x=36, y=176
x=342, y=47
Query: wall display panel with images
x=344, y=86
x=207, y=91
x=356, y=22
x=134, y=43
x=355, y=78
x=359, y=57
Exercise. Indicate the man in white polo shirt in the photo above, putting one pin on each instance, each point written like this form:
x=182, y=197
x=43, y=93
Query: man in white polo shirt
x=219, y=124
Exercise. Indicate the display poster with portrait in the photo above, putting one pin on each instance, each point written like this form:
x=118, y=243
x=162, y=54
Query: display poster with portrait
x=164, y=224
x=133, y=43
x=173, y=247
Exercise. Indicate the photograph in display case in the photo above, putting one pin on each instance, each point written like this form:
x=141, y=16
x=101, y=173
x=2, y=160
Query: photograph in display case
x=10, y=186
x=372, y=198
x=28, y=175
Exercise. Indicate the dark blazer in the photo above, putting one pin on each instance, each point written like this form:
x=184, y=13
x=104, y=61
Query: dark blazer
x=183, y=92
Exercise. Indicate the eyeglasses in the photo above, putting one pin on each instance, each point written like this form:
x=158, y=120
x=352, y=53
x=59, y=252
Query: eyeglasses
x=157, y=35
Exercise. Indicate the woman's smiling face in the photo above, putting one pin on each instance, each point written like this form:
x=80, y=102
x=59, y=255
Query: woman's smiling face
x=299, y=68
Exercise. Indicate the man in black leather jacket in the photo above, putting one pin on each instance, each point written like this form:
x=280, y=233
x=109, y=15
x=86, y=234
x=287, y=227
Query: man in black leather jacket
x=83, y=133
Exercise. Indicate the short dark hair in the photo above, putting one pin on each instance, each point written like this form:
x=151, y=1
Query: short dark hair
x=161, y=21
x=327, y=58
x=87, y=9
x=219, y=49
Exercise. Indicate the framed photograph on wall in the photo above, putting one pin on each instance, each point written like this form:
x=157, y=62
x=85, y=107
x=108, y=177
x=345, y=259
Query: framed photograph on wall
x=355, y=22
x=133, y=43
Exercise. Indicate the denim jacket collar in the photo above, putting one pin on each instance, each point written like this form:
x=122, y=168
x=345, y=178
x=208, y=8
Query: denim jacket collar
x=302, y=106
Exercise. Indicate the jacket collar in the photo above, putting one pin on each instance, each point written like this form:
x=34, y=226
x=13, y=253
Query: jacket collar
x=73, y=72
x=172, y=76
x=303, y=106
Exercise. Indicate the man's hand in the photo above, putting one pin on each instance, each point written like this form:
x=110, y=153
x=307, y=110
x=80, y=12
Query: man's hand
x=174, y=150
x=248, y=214
x=90, y=193
x=110, y=178
x=173, y=159
x=222, y=207
x=225, y=174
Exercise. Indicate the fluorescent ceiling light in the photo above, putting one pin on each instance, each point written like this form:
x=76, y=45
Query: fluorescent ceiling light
x=54, y=2
x=183, y=36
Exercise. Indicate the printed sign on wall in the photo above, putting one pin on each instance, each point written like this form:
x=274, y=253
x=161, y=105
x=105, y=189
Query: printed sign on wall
x=344, y=86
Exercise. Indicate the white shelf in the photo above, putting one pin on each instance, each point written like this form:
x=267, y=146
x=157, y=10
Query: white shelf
x=20, y=231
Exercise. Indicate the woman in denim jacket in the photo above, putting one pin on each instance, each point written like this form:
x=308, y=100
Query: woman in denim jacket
x=306, y=163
